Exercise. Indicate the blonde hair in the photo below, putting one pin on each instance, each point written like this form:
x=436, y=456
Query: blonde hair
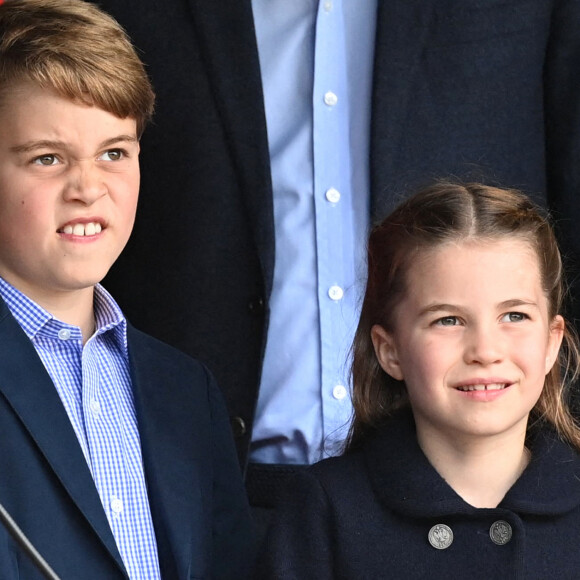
x=75, y=49
x=446, y=212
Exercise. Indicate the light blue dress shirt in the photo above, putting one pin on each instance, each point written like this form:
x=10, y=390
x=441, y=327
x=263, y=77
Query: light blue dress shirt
x=316, y=62
x=94, y=385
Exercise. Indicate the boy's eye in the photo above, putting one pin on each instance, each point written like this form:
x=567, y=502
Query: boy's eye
x=447, y=321
x=45, y=160
x=113, y=155
x=514, y=317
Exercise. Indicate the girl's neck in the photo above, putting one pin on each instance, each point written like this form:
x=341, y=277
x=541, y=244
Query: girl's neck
x=480, y=469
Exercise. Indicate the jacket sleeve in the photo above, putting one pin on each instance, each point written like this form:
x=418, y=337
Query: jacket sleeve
x=299, y=544
x=232, y=534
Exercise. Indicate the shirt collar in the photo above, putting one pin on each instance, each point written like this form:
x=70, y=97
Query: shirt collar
x=33, y=318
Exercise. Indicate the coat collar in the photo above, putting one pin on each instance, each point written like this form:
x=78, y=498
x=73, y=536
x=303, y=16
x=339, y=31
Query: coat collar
x=405, y=481
x=28, y=388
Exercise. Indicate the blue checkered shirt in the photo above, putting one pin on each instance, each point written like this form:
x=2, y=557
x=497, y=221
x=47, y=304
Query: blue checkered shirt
x=94, y=385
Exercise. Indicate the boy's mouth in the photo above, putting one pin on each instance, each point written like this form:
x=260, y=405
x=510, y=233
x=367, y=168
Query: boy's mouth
x=78, y=229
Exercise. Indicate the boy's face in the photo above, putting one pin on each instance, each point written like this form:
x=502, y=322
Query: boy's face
x=69, y=181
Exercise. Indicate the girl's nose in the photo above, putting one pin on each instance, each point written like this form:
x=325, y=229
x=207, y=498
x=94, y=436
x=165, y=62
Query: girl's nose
x=483, y=346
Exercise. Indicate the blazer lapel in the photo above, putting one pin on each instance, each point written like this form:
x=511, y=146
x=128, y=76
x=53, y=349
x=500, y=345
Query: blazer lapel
x=402, y=32
x=228, y=43
x=28, y=388
x=175, y=492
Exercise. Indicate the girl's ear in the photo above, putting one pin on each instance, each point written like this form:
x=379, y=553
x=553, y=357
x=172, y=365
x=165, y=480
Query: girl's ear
x=554, y=341
x=386, y=352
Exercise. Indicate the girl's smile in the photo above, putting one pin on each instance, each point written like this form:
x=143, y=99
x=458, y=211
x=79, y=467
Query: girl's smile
x=472, y=339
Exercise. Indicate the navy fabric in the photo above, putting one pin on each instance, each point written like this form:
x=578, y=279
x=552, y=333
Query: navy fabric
x=482, y=89
x=368, y=515
x=197, y=500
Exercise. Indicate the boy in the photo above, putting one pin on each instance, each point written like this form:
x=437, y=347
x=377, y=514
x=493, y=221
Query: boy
x=115, y=453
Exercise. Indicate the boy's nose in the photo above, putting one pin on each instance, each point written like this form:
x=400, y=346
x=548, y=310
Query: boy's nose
x=483, y=346
x=85, y=185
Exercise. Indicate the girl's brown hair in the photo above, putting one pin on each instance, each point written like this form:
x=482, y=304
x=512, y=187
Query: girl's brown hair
x=442, y=213
x=75, y=49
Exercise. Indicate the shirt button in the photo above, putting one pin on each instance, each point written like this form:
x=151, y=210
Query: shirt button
x=332, y=195
x=327, y=5
x=330, y=99
x=339, y=392
x=64, y=334
x=440, y=536
x=116, y=505
x=336, y=293
x=95, y=407
x=500, y=532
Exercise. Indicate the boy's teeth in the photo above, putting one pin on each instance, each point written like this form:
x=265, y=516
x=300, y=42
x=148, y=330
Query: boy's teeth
x=89, y=229
x=491, y=387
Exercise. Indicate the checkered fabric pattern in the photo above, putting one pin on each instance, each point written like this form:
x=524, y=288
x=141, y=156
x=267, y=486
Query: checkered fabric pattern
x=94, y=384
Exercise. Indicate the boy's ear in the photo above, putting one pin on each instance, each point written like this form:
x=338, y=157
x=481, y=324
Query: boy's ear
x=386, y=352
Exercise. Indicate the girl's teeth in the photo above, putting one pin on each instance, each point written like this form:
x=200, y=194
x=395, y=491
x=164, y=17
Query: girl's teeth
x=492, y=387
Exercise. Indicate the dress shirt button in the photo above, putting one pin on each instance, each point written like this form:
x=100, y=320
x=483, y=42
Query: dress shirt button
x=116, y=505
x=339, y=392
x=328, y=6
x=333, y=195
x=330, y=99
x=440, y=536
x=336, y=293
x=238, y=427
x=64, y=334
x=95, y=407
x=500, y=532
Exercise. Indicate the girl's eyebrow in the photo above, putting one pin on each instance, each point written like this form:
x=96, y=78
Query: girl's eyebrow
x=439, y=308
x=444, y=307
x=518, y=302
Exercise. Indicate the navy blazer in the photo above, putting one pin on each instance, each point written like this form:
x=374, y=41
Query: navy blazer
x=480, y=89
x=367, y=515
x=198, y=504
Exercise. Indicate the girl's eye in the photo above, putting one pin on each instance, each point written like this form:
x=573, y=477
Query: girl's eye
x=514, y=317
x=113, y=155
x=447, y=321
x=46, y=160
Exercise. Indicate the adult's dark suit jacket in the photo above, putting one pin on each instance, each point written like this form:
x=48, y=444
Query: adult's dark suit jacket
x=484, y=89
x=198, y=503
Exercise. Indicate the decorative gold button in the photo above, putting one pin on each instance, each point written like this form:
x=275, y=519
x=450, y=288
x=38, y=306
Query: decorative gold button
x=440, y=536
x=500, y=532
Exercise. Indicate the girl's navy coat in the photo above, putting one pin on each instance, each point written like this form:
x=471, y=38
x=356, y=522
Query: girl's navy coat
x=368, y=515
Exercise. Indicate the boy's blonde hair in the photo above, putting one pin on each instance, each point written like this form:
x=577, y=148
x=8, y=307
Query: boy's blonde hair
x=75, y=49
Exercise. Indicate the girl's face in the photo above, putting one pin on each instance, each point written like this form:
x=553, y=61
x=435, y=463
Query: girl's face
x=472, y=339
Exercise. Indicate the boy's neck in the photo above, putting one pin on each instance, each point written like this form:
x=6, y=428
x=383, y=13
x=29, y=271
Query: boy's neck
x=481, y=469
x=73, y=307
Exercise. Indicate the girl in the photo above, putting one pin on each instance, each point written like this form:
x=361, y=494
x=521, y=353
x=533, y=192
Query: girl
x=463, y=457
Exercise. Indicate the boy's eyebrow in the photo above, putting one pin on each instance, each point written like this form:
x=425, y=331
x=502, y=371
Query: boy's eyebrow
x=48, y=144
